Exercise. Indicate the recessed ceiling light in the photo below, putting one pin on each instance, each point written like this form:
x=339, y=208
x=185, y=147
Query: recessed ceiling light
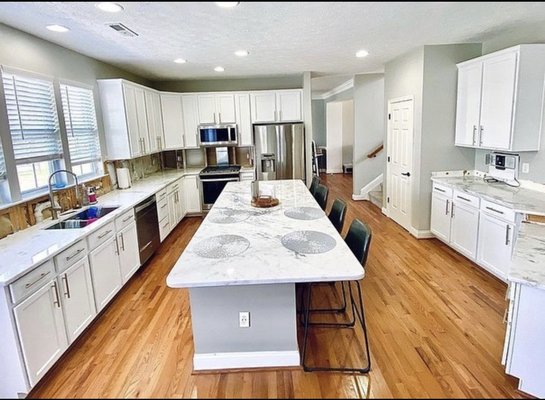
x=362, y=53
x=109, y=7
x=180, y=61
x=227, y=4
x=57, y=28
x=241, y=53
x=219, y=69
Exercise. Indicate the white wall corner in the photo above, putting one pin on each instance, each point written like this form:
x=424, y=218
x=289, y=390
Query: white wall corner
x=364, y=192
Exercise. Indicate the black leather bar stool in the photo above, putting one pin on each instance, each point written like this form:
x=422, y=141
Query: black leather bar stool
x=321, y=195
x=337, y=214
x=358, y=240
x=314, y=184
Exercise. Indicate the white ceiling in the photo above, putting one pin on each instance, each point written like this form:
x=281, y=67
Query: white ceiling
x=283, y=38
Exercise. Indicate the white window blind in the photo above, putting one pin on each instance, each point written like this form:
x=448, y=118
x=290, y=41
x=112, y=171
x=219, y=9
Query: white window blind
x=81, y=125
x=2, y=165
x=33, y=120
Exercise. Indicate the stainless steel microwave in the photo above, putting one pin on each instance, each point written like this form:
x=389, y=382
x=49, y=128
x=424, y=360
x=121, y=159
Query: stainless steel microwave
x=218, y=135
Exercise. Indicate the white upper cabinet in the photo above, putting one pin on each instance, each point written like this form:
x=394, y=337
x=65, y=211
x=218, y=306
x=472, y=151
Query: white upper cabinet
x=191, y=119
x=216, y=108
x=155, y=123
x=173, y=121
x=243, y=119
x=500, y=99
x=276, y=106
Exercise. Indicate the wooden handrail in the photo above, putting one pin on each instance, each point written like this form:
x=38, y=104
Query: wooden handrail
x=376, y=151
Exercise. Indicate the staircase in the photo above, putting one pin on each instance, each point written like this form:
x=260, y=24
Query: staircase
x=375, y=196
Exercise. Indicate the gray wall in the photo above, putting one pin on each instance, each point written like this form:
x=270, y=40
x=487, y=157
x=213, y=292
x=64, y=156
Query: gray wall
x=213, y=85
x=318, y=122
x=369, y=131
x=24, y=51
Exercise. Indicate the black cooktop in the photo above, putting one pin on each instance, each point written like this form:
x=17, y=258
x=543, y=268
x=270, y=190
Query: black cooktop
x=220, y=169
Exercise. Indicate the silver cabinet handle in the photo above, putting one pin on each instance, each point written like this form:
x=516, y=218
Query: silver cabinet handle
x=164, y=205
x=105, y=233
x=42, y=275
x=481, y=131
x=507, y=238
x=57, y=301
x=65, y=279
x=463, y=198
x=280, y=115
x=446, y=208
x=440, y=190
x=493, y=209
x=126, y=219
x=452, y=211
x=116, y=246
x=165, y=225
x=75, y=254
x=122, y=242
x=474, y=134
x=219, y=117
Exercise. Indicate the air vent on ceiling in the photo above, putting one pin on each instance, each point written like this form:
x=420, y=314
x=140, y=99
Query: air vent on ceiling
x=122, y=29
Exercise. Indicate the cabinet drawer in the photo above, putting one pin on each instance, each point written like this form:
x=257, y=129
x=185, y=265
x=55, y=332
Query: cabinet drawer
x=124, y=219
x=498, y=211
x=72, y=254
x=32, y=281
x=101, y=235
x=161, y=194
x=464, y=198
x=162, y=209
x=441, y=189
x=164, y=228
x=173, y=186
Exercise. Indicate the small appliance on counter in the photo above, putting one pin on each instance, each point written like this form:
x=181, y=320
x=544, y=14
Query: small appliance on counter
x=123, y=178
x=503, y=167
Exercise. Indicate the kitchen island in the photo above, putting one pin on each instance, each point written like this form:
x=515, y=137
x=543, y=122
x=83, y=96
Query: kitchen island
x=244, y=259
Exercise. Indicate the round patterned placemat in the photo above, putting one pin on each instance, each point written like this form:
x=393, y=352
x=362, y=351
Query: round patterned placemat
x=228, y=216
x=308, y=242
x=305, y=213
x=222, y=246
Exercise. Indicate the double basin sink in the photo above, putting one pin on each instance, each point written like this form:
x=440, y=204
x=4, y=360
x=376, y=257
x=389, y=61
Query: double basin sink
x=83, y=218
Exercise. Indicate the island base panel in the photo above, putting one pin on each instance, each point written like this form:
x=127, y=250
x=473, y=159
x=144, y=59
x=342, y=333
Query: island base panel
x=271, y=339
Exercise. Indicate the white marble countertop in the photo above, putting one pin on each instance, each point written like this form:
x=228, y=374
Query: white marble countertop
x=520, y=199
x=528, y=263
x=266, y=260
x=27, y=249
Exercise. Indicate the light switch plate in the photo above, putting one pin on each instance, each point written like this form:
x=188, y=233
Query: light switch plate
x=525, y=168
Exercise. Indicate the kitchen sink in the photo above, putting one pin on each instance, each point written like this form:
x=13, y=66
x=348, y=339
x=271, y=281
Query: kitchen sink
x=83, y=218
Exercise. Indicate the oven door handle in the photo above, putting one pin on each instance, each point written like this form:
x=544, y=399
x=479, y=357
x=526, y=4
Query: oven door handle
x=220, y=180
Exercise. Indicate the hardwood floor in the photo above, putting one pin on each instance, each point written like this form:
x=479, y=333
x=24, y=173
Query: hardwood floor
x=434, y=320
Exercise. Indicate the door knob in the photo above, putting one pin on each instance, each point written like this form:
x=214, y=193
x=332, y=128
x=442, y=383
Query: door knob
x=406, y=174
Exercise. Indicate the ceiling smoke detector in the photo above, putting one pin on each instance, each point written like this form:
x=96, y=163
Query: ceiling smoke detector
x=122, y=29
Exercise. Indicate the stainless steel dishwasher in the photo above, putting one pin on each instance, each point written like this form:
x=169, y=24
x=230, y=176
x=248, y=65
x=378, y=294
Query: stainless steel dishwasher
x=147, y=227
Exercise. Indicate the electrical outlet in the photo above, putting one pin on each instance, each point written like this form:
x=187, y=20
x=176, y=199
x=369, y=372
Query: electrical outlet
x=525, y=168
x=244, y=319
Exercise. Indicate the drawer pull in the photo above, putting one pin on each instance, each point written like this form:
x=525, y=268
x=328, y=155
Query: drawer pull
x=128, y=218
x=507, y=240
x=57, y=301
x=75, y=254
x=42, y=275
x=463, y=198
x=440, y=190
x=105, y=233
x=165, y=225
x=496, y=211
x=164, y=205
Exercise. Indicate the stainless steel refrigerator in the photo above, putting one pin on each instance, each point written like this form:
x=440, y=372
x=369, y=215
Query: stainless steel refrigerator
x=280, y=151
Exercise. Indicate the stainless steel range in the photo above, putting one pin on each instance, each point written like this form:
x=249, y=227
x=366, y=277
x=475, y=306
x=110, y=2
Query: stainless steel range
x=213, y=180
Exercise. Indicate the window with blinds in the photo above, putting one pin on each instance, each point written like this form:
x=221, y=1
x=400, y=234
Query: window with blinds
x=33, y=121
x=81, y=128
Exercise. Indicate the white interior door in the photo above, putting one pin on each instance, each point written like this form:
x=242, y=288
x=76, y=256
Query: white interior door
x=334, y=137
x=400, y=156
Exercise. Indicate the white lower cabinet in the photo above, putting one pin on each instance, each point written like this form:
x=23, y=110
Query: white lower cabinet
x=77, y=298
x=440, y=216
x=192, y=195
x=464, y=230
x=129, y=255
x=40, y=324
x=495, y=244
x=105, y=272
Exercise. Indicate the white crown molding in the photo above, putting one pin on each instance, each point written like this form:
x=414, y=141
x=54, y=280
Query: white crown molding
x=349, y=84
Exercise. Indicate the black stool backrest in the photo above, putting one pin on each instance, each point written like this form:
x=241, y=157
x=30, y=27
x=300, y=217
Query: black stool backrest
x=337, y=214
x=321, y=195
x=314, y=184
x=358, y=240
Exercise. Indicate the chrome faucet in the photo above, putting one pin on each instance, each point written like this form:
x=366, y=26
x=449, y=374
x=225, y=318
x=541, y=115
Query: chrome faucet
x=54, y=209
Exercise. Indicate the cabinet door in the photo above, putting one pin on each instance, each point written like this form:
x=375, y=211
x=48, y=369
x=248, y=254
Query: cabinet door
x=129, y=256
x=40, y=325
x=191, y=120
x=140, y=99
x=495, y=245
x=263, y=106
x=207, y=109
x=440, y=217
x=498, y=95
x=173, y=121
x=105, y=272
x=153, y=115
x=289, y=105
x=244, y=119
x=468, y=104
x=131, y=114
x=225, y=108
x=181, y=200
x=464, y=230
x=192, y=194
x=173, y=213
x=77, y=298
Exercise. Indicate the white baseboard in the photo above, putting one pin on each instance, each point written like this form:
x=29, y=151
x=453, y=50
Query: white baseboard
x=385, y=211
x=420, y=234
x=250, y=359
x=364, y=192
x=359, y=197
x=334, y=171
